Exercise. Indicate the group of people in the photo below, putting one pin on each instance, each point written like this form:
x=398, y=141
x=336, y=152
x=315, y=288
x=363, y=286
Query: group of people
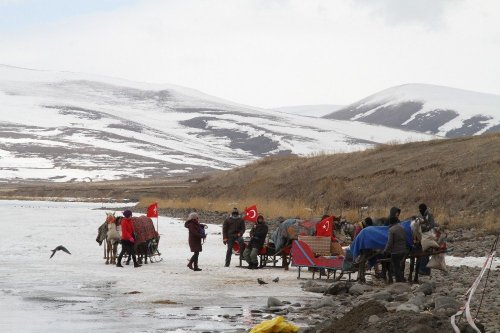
x=397, y=245
x=233, y=229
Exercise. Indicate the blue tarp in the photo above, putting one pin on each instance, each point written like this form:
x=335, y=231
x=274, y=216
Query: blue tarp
x=376, y=238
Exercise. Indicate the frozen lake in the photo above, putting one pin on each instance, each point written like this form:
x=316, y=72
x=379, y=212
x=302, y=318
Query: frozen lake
x=79, y=293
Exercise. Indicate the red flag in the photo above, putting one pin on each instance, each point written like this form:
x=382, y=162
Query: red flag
x=152, y=210
x=325, y=227
x=251, y=214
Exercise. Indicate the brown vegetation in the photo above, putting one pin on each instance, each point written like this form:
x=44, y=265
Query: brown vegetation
x=459, y=179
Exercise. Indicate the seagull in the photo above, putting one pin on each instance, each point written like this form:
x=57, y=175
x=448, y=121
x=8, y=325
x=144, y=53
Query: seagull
x=276, y=279
x=260, y=281
x=60, y=247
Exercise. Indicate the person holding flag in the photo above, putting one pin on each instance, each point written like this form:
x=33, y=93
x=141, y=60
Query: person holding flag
x=233, y=229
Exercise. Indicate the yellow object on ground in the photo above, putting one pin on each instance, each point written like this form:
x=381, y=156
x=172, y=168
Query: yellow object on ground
x=275, y=325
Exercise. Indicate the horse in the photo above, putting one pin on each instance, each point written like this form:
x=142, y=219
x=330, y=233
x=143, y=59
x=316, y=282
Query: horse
x=371, y=241
x=113, y=237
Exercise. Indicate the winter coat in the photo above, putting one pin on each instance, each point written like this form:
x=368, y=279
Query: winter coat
x=429, y=222
x=258, y=235
x=396, y=242
x=195, y=235
x=233, y=226
x=127, y=229
x=392, y=216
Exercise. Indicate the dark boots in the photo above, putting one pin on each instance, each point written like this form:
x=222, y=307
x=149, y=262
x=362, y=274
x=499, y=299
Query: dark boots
x=190, y=264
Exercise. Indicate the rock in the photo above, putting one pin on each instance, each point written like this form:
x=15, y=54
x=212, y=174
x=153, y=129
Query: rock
x=273, y=302
x=418, y=300
x=359, y=289
x=309, y=283
x=445, y=302
x=373, y=319
x=426, y=288
x=398, y=288
x=327, y=301
x=408, y=307
x=381, y=296
x=337, y=288
x=297, y=305
x=316, y=289
x=402, y=297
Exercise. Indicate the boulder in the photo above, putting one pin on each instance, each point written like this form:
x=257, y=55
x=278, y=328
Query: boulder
x=408, y=307
x=337, y=288
x=398, y=288
x=426, y=288
x=359, y=289
x=325, y=302
x=382, y=296
x=273, y=302
x=418, y=300
x=446, y=305
x=373, y=319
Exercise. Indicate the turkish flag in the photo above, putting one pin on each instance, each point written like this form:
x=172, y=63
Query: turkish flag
x=152, y=210
x=325, y=227
x=251, y=214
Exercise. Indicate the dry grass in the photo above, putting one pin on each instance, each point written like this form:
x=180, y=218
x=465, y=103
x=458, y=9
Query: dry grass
x=459, y=179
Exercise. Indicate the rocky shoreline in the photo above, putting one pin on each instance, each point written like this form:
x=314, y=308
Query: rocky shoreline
x=401, y=307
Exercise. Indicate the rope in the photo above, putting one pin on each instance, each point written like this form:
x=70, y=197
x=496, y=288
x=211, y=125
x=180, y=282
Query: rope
x=470, y=292
x=493, y=249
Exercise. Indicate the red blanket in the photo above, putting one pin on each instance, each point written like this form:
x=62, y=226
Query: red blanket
x=144, y=229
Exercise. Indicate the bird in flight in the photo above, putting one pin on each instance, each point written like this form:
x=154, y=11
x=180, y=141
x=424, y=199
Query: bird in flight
x=60, y=247
x=260, y=281
x=276, y=279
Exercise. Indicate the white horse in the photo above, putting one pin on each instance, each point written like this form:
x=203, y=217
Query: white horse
x=113, y=237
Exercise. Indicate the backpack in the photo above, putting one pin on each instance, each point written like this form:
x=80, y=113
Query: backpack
x=202, y=230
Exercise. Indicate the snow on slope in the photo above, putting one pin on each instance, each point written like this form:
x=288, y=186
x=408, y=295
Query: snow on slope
x=428, y=108
x=309, y=110
x=64, y=126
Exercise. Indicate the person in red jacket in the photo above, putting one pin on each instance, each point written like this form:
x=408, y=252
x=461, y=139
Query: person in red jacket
x=127, y=238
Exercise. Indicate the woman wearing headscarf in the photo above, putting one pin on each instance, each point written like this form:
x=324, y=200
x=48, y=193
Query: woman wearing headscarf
x=195, y=238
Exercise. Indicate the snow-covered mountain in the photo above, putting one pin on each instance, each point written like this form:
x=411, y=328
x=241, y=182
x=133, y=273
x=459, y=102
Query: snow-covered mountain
x=62, y=126
x=319, y=110
x=427, y=108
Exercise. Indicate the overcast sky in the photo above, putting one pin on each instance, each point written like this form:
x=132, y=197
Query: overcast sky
x=264, y=53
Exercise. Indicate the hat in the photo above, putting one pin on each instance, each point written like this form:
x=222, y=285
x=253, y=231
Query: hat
x=422, y=208
x=235, y=211
x=193, y=216
x=127, y=213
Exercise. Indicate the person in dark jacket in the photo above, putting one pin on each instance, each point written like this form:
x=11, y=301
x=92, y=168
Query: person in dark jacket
x=233, y=229
x=397, y=247
x=393, y=216
x=195, y=238
x=257, y=239
x=127, y=238
x=426, y=226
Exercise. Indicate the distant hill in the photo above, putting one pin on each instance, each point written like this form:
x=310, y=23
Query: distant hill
x=63, y=127
x=309, y=110
x=427, y=108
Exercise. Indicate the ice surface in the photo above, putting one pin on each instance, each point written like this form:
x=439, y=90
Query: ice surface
x=79, y=293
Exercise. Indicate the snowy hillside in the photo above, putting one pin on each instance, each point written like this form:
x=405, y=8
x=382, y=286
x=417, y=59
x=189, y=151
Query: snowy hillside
x=310, y=110
x=62, y=126
x=427, y=108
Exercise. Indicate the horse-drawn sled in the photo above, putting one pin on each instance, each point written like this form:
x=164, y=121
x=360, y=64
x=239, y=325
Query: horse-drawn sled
x=367, y=251
x=146, y=239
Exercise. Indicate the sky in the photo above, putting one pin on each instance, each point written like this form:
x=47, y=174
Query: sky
x=265, y=53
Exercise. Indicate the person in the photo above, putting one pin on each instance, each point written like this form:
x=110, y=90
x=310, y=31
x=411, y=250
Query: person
x=361, y=225
x=127, y=238
x=393, y=216
x=426, y=226
x=258, y=235
x=396, y=246
x=195, y=238
x=233, y=229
